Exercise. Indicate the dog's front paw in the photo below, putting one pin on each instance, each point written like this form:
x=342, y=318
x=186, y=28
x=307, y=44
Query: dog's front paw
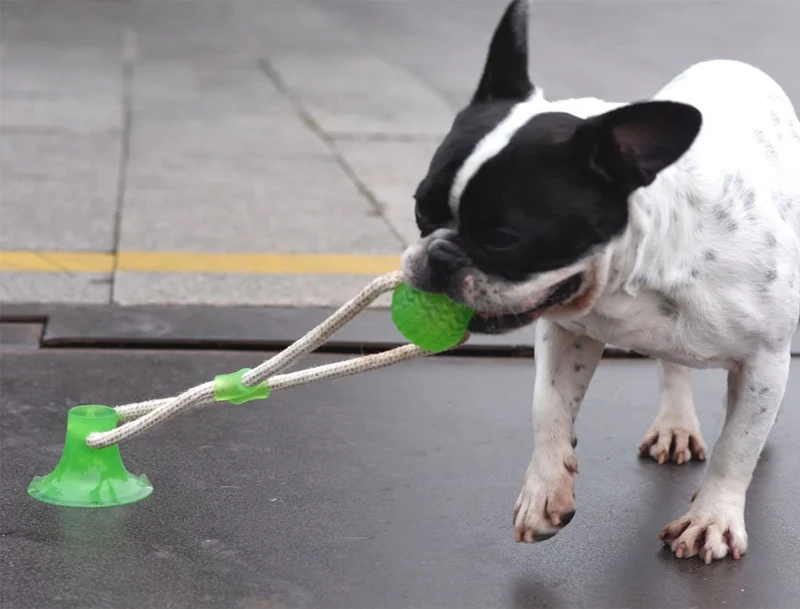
x=673, y=439
x=546, y=503
x=710, y=530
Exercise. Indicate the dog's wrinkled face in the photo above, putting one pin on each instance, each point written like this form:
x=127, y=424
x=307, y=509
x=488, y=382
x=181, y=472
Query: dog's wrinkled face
x=521, y=200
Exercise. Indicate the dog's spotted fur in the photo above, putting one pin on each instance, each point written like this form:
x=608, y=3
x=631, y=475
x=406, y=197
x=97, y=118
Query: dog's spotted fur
x=698, y=264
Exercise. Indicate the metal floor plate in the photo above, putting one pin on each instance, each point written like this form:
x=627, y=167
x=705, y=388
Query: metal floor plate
x=392, y=489
x=233, y=327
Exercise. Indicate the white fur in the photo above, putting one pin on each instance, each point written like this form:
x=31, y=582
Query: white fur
x=727, y=316
x=717, y=237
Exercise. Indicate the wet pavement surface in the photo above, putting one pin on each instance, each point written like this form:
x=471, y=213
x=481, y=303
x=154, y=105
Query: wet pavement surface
x=390, y=489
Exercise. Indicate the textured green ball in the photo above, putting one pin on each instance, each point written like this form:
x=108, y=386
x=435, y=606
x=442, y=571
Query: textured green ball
x=433, y=322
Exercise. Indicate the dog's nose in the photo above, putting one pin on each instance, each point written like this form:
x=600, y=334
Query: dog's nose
x=446, y=258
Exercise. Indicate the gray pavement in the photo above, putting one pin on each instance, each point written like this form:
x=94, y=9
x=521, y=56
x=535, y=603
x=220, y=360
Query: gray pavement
x=286, y=126
x=392, y=489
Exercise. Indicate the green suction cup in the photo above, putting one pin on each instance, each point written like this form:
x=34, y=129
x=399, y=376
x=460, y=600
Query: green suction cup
x=433, y=322
x=89, y=477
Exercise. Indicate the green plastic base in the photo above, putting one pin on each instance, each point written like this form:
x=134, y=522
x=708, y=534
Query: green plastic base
x=89, y=477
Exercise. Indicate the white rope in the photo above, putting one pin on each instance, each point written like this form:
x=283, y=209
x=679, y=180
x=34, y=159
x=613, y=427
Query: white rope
x=141, y=416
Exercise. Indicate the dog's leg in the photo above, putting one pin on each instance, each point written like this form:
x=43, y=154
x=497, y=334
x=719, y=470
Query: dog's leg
x=565, y=363
x=714, y=524
x=675, y=434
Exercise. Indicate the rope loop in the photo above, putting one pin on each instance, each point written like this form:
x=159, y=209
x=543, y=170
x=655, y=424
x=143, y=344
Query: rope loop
x=256, y=384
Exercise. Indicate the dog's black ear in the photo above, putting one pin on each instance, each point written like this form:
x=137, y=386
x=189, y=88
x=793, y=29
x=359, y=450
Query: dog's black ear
x=505, y=75
x=632, y=144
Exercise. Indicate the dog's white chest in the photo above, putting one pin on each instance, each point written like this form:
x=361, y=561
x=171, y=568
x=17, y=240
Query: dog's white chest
x=710, y=315
x=657, y=326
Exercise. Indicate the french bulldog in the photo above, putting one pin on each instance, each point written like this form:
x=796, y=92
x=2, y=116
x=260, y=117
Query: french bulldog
x=668, y=226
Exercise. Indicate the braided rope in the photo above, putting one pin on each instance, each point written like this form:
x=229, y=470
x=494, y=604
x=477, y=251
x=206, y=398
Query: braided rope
x=141, y=416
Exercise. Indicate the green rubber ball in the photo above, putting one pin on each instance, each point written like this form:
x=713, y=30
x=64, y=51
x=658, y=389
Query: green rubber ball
x=433, y=322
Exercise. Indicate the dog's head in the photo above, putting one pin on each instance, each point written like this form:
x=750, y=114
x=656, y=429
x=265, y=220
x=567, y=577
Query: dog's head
x=521, y=200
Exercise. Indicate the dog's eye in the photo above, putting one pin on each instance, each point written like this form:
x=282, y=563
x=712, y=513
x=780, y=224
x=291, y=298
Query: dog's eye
x=502, y=239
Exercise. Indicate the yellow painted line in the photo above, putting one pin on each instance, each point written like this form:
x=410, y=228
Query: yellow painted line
x=257, y=264
x=56, y=262
x=198, y=262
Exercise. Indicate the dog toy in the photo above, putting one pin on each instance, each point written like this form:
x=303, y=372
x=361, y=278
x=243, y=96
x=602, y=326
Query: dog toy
x=430, y=321
x=91, y=473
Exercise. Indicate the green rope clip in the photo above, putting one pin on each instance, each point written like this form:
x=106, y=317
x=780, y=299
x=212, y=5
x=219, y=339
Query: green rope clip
x=229, y=388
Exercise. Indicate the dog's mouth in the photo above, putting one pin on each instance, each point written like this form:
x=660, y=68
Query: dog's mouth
x=506, y=322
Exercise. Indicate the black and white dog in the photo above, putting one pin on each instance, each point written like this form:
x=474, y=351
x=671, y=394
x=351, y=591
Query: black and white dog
x=668, y=227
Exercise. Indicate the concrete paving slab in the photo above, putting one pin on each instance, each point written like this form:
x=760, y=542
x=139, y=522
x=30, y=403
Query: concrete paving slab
x=443, y=44
x=283, y=290
x=307, y=206
x=55, y=155
x=198, y=33
x=391, y=170
x=575, y=48
x=77, y=115
x=220, y=147
x=357, y=93
x=68, y=95
x=361, y=493
x=305, y=28
x=32, y=55
x=55, y=287
x=47, y=81
x=184, y=91
x=68, y=34
x=10, y=22
x=58, y=190
x=56, y=214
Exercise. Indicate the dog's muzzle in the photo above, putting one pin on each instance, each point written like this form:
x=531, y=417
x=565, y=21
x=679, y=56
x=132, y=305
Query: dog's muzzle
x=499, y=324
x=437, y=264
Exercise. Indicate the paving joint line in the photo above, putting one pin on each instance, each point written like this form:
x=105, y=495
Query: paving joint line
x=128, y=66
x=272, y=74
